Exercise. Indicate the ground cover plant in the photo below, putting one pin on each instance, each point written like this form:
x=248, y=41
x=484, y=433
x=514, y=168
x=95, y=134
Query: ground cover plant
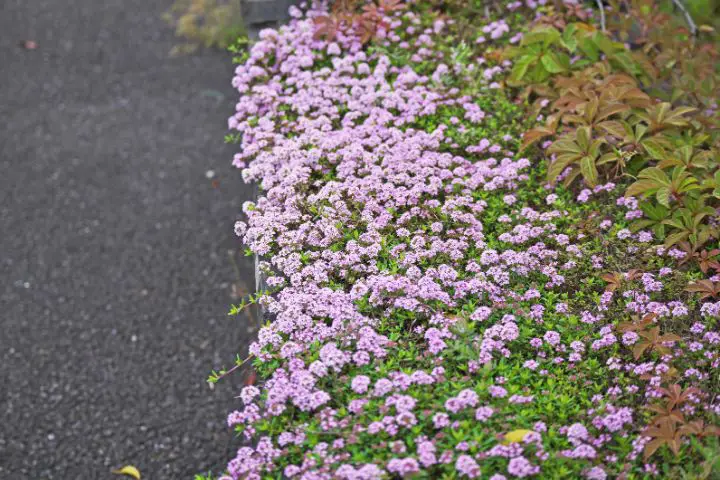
x=208, y=23
x=490, y=231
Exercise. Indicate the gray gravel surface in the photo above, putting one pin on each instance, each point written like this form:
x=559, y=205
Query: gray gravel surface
x=117, y=258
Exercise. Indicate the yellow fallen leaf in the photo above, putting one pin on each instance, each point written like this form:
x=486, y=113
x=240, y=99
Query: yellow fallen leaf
x=128, y=470
x=516, y=436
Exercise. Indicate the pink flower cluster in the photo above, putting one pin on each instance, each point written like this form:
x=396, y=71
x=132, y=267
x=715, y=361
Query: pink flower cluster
x=356, y=193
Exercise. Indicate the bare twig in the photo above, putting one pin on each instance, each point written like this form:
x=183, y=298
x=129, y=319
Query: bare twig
x=601, y=7
x=688, y=18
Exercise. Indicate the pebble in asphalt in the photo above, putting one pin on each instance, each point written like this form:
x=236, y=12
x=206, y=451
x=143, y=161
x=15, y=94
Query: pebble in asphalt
x=117, y=257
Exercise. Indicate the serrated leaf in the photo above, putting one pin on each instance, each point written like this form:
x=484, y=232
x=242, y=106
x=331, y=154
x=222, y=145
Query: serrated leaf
x=653, y=149
x=555, y=62
x=588, y=169
x=640, y=187
x=520, y=67
x=589, y=48
x=560, y=164
x=538, y=74
x=603, y=43
x=610, y=110
x=568, y=38
x=512, y=52
x=613, y=127
x=546, y=35
x=663, y=196
x=607, y=158
x=679, y=111
x=656, y=174
x=675, y=238
x=625, y=62
x=532, y=136
x=565, y=145
x=582, y=136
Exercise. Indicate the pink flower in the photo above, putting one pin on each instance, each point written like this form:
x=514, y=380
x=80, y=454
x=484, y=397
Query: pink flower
x=360, y=384
x=530, y=364
x=467, y=466
x=521, y=467
x=596, y=473
x=629, y=338
x=552, y=337
x=403, y=467
x=441, y=420
x=482, y=414
x=333, y=49
x=496, y=391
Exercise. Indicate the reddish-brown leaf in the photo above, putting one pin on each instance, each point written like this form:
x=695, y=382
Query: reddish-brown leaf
x=326, y=27
x=706, y=288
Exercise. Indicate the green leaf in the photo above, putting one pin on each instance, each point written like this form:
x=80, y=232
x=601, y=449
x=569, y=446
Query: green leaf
x=640, y=187
x=512, y=52
x=555, y=62
x=565, y=145
x=625, y=62
x=582, y=136
x=659, y=231
x=654, y=149
x=588, y=47
x=605, y=44
x=538, y=74
x=663, y=196
x=546, y=35
x=655, y=174
x=589, y=170
x=521, y=66
x=559, y=165
x=568, y=41
x=655, y=212
x=676, y=237
x=613, y=127
x=607, y=158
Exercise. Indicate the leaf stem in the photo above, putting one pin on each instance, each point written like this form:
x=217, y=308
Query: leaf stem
x=688, y=18
x=601, y=7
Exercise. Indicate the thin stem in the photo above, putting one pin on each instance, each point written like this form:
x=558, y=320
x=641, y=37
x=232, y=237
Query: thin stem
x=688, y=18
x=237, y=365
x=601, y=7
x=220, y=377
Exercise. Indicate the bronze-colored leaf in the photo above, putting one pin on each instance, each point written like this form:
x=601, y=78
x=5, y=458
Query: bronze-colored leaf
x=706, y=288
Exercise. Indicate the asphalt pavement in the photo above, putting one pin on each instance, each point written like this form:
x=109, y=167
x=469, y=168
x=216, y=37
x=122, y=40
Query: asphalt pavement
x=117, y=255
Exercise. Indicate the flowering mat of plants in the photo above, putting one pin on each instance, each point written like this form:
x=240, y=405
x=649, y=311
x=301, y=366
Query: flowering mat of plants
x=490, y=237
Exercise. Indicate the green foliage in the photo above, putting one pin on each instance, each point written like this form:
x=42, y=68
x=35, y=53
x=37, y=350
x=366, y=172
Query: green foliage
x=545, y=51
x=639, y=114
x=578, y=151
x=666, y=188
